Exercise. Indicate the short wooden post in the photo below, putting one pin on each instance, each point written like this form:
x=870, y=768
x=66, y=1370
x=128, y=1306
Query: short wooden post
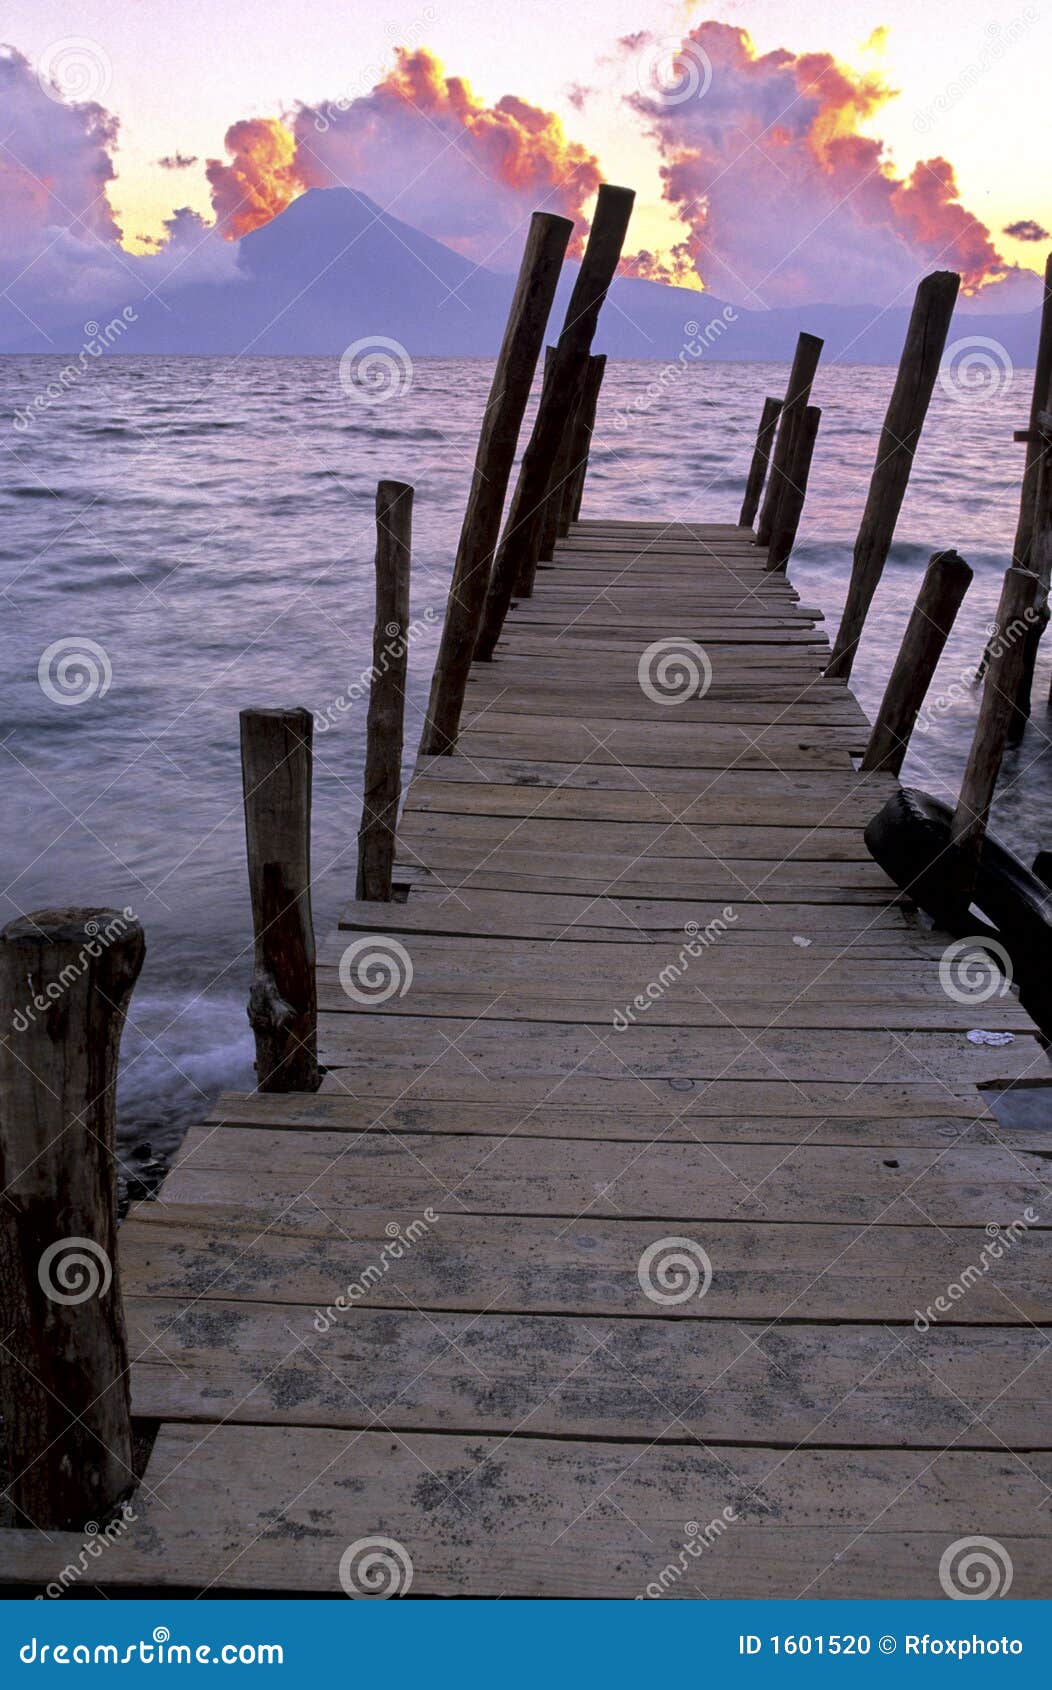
x=66, y=978
x=797, y=398
x=968, y=827
x=946, y=580
x=791, y=504
x=907, y=409
x=386, y=718
x=510, y=389
x=761, y=455
x=276, y=764
x=593, y=385
x=516, y=560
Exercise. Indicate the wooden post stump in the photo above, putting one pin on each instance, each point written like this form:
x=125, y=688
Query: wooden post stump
x=907, y=409
x=797, y=399
x=512, y=378
x=791, y=504
x=516, y=560
x=761, y=456
x=1015, y=609
x=66, y=978
x=276, y=764
x=946, y=580
x=385, y=722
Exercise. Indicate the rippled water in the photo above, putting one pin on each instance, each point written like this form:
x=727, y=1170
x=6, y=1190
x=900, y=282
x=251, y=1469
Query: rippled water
x=208, y=524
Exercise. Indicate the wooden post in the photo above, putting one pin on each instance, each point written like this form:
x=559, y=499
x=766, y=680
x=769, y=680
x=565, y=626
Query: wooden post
x=516, y=559
x=791, y=504
x=386, y=717
x=968, y=827
x=797, y=398
x=946, y=580
x=1034, y=533
x=593, y=384
x=562, y=471
x=760, y=458
x=66, y=977
x=512, y=378
x=276, y=763
x=1037, y=445
x=907, y=408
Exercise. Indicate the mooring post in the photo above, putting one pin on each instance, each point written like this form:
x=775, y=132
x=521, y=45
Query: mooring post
x=276, y=765
x=1036, y=443
x=1015, y=610
x=509, y=391
x=797, y=398
x=385, y=721
x=593, y=384
x=791, y=504
x=907, y=409
x=516, y=560
x=66, y=978
x=761, y=455
x=562, y=471
x=946, y=580
x=1039, y=560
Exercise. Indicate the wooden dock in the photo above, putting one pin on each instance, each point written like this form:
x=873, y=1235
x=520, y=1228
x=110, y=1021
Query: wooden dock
x=634, y=1165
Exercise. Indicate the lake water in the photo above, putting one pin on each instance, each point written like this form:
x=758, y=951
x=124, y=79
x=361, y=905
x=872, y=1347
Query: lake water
x=208, y=525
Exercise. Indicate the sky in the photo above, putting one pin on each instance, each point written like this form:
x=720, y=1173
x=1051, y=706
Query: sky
x=816, y=156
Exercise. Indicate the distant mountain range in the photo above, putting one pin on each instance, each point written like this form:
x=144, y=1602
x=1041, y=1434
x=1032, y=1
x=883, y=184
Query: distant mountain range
x=333, y=268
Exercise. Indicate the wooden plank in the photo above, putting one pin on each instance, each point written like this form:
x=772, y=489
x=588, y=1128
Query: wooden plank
x=271, y=1169
x=922, y=1118
x=721, y=1381
x=530, y=1264
x=533, y=1517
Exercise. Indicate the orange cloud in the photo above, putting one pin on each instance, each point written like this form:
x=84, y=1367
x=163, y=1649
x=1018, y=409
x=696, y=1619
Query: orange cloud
x=261, y=178
x=784, y=198
x=425, y=147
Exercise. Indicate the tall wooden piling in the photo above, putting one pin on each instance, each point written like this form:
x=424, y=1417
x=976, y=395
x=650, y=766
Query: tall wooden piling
x=1015, y=609
x=509, y=391
x=797, y=398
x=1033, y=543
x=791, y=504
x=946, y=580
x=907, y=409
x=593, y=386
x=276, y=766
x=761, y=457
x=386, y=717
x=516, y=558
x=66, y=978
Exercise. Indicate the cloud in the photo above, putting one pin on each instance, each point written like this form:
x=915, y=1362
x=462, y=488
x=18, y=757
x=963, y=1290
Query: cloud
x=426, y=148
x=177, y=161
x=784, y=198
x=55, y=160
x=1025, y=230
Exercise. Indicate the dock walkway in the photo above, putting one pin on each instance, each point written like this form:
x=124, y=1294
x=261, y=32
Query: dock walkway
x=650, y=1126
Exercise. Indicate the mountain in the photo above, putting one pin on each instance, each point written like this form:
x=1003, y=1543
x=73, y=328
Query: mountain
x=334, y=268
